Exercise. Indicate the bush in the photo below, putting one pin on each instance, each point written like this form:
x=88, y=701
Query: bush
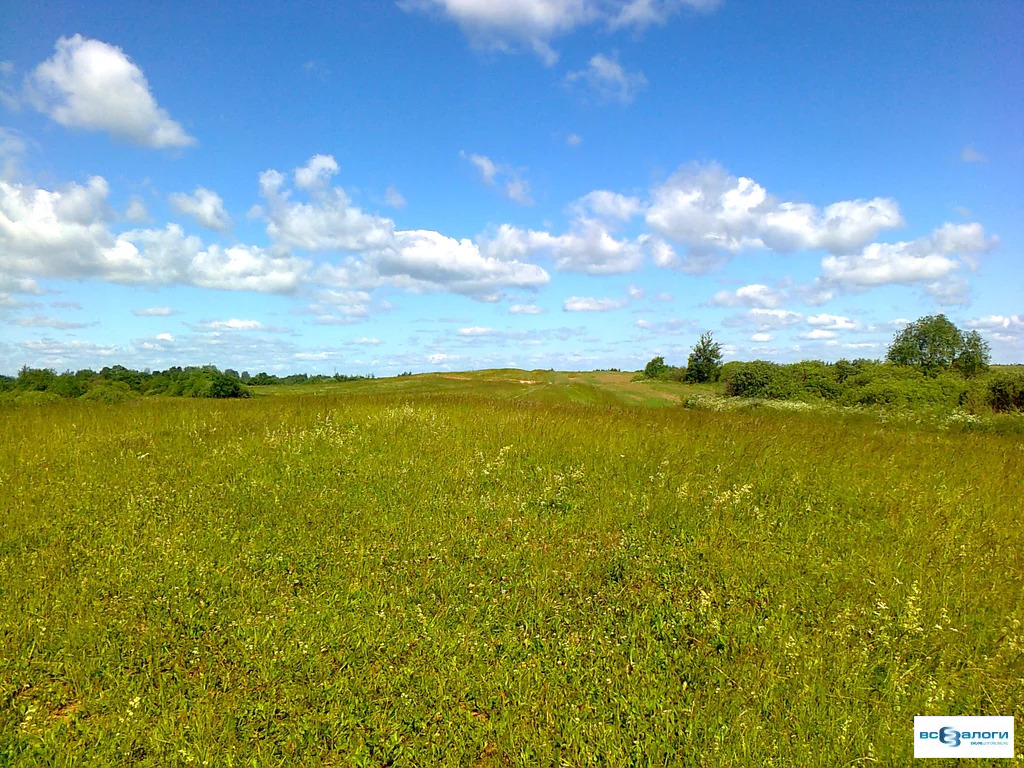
x=655, y=368
x=1005, y=392
x=110, y=392
x=759, y=379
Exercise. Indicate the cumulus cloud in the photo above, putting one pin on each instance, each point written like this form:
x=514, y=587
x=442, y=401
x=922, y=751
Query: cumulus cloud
x=709, y=211
x=316, y=173
x=585, y=304
x=427, y=260
x=65, y=233
x=608, y=80
x=512, y=25
x=203, y=205
x=754, y=295
x=932, y=261
x=153, y=312
x=1003, y=329
x=329, y=222
x=95, y=86
x=832, y=322
x=761, y=338
x=588, y=248
x=605, y=204
x=818, y=334
x=475, y=331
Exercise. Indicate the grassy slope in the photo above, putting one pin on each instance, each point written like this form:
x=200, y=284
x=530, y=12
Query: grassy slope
x=480, y=571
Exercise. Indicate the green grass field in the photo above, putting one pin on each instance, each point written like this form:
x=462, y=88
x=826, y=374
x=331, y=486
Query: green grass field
x=499, y=568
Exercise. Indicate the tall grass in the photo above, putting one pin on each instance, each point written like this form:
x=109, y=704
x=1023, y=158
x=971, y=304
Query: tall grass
x=421, y=579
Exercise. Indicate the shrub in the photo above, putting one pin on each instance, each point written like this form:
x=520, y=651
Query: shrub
x=655, y=368
x=759, y=379
x=1005, y=392
x=110, y=392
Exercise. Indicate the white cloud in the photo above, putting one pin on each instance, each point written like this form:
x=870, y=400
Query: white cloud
x=136, y=211
x=393, y=198
x=203, y=205
x=971, y=155
x=13, y=147
x=708, y=210
x=608, y=80
x=584, y=304
x=60, y=233
x=424, y=260
x=153, y=312
x=832, y=322
x=1002, y=329
x=818, y=334
x=695, y=262
x=488, y=168
x=370, y=341
x=608, y=205
x=588, y=247
x=329, y=223
x=41, y=321
x=476, y=331
x=573, y=140
x=517, y=189
x=169, y=256
x=635, y=292
x=233, y=324
x=316, y=173
x=754, y=295
x=761, y=338
x=997, y=322
x=92, y=85
x=512, y=25
x=931, y=261
x=524, y=309
x=164, y=337
x=765, y=319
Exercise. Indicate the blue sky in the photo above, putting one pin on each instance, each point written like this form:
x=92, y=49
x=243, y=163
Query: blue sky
x=454, y=184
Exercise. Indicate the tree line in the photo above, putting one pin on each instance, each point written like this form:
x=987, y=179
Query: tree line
x=929, y=363
x=117, y=383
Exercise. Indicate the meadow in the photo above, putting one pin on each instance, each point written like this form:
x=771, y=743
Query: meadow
x=496, y=569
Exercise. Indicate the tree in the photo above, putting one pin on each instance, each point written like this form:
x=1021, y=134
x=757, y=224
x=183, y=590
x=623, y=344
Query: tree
x=705, y=362
x=974, y=355
x=655, y=368
x=934, y=344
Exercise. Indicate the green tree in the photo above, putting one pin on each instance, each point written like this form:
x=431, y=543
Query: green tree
x=935, y=344
x=705, y=362
x=974, y=355
x=655, y=368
